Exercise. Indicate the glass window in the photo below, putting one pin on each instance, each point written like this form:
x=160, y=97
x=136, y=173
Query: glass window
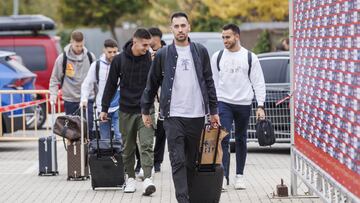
x=16, y=65
x=274, y=70
x=214, y=45
x=288, y=72
x=34, y=57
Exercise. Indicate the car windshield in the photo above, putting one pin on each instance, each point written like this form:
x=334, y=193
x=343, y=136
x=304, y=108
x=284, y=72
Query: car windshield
x=16, y=65
x=275, y=69
x=212, y=45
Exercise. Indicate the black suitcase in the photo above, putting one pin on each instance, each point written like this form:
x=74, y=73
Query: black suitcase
x=48, y=152
x=77, y=153
x=48, y=156
x=105, y=160
x=205, y=183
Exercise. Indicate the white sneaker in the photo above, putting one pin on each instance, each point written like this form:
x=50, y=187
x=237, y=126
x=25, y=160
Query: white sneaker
x=130, y=186
x=140, y=175
x=239, y=182
x=224, y=185
x=149, y=187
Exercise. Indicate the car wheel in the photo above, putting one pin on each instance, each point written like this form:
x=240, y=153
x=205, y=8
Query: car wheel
x=40, y=116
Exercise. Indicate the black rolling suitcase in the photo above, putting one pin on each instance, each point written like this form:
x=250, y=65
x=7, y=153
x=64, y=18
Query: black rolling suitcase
x=205, y=183
x=105, y=160
x=77, y=152
x=47, y=152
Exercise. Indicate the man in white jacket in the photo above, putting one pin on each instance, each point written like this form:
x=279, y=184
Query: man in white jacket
x=237, y=75
x=96, y=78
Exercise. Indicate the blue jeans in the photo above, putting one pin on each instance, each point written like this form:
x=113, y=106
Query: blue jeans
x=240, y=114
x=71, y=107
x=105, y=128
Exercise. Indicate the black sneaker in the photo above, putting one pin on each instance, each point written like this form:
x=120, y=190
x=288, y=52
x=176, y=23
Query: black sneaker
x=157, y=167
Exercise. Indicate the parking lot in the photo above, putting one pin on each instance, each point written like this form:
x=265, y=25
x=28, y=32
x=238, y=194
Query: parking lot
x=20, y=181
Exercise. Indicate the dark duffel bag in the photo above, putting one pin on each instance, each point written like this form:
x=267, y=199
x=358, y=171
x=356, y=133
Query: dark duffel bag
x=105, y=160
x=265, y=132
x=69, y=127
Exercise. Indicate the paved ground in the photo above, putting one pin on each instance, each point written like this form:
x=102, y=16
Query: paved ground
x=19, y=181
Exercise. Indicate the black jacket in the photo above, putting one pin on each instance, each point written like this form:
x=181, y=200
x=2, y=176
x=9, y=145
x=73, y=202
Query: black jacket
x=132, y=71
x=162, y=73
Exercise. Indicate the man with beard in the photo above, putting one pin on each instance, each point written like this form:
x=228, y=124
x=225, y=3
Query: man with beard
x=237, y=74
x=187, y=94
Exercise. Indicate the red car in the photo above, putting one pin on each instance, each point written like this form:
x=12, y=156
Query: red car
x=20, y=34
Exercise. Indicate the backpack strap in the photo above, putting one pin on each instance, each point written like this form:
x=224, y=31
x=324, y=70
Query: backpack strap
x=249, y=63
x=90, y=57
x=97, y=69
x=219, y=58
x=64, y=63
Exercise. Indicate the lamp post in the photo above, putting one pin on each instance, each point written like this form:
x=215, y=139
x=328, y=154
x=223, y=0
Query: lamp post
x=15, y=7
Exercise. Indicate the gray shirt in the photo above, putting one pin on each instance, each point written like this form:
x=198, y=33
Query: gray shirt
x=186, y=98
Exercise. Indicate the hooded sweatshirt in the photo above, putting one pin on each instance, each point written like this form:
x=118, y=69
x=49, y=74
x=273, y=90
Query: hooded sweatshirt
x=132, y=71
x=88, y=85
x=76, y=70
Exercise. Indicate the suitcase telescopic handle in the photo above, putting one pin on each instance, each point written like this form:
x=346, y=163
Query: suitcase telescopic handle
x=52, y=106
x=98, y=132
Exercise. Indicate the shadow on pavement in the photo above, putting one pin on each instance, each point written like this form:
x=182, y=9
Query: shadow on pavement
x=275, y=149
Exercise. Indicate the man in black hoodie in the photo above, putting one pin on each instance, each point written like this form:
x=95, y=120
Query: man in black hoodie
x=132, y=67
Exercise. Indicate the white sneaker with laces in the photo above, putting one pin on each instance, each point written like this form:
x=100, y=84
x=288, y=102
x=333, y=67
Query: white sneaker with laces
x=130, y=186
x=224, y=185
x=149, y=187
x=140, y=175
x=239, y=182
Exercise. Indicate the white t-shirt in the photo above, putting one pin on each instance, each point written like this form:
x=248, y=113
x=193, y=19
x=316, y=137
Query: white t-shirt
x=186, y=97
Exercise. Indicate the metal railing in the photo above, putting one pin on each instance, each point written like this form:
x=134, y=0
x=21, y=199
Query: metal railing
x=22, y=111
x=279, y=115
x=313, y=176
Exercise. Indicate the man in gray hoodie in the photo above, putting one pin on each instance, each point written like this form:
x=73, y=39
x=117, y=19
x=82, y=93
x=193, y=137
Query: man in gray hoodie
x=70, y=70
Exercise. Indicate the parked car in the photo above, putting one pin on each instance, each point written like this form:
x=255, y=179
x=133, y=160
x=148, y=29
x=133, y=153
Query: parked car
x=276, y=69
x=15, y=76
x=21, y=34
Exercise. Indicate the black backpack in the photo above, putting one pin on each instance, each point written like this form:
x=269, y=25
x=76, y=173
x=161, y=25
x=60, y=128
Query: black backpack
x=65, y=63
x=265, y=132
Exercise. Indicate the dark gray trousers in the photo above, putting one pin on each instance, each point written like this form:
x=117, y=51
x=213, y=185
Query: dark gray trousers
x=183, y=135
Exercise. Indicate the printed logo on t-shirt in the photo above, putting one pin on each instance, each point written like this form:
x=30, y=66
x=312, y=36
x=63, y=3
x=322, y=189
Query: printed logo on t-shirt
x=70, y=72
x=185, y=63
x=232, y=66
